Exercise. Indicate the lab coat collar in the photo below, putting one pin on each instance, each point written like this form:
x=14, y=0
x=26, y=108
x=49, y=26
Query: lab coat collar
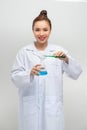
x=49, y=49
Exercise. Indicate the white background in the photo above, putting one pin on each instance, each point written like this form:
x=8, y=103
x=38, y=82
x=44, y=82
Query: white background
x=73, y=0
x=69, y=20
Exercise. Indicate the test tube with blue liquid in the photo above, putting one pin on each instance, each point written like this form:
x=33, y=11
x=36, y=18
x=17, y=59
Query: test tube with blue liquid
x=43, y=70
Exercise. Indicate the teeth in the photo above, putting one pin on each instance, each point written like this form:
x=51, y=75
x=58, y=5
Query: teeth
x=41, y=38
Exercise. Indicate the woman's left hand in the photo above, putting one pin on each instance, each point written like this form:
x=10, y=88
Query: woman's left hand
x=61, y=53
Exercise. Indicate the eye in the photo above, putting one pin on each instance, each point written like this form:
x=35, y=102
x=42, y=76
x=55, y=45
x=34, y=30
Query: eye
x=37, y=29
x=45, y=29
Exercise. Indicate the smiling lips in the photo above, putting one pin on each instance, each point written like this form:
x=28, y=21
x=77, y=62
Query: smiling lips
x=41, y=38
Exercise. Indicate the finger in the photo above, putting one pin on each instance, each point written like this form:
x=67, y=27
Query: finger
x=35, y=72
x=37, y=67
x=60, y=53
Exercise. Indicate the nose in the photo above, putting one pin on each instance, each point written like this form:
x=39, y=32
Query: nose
x=41, y=33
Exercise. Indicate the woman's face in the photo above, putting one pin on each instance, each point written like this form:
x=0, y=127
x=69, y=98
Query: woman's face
x=41, y=31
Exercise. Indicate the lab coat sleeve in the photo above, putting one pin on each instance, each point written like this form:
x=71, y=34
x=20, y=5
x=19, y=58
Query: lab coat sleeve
x=19, y=74
x=73, y=69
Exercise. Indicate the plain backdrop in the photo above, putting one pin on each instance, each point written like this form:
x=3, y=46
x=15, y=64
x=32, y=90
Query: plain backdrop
x=69, y=29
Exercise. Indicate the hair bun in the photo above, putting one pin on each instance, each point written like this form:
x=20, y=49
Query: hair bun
x=44, y=13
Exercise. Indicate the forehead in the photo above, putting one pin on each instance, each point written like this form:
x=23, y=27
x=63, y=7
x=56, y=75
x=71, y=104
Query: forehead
x=41, y=24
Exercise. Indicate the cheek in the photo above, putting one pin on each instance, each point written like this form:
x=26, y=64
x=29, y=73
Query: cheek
x=48, y=34
x=35, y=34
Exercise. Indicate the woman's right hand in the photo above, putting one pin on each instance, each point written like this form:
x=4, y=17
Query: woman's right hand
x=36, y=69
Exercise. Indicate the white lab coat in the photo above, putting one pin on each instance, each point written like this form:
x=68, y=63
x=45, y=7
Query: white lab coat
x=41, y=97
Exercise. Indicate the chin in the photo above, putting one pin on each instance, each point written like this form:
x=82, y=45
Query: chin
x=42, y=42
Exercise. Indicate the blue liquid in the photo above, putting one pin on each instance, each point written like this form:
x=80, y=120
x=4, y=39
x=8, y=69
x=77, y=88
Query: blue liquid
x=43, y=73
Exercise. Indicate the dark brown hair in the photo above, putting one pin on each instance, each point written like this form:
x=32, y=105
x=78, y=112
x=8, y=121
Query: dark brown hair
x=42, y=16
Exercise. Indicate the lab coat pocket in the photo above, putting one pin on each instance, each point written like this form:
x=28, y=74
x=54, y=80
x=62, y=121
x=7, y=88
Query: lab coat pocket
x=30, y=113
x=53, y=106
x=30, y=106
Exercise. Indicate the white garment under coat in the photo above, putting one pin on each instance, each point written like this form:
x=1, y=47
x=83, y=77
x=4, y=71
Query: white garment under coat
x=41, y=97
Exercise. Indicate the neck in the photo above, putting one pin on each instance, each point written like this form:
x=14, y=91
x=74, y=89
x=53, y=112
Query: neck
x=40, y=46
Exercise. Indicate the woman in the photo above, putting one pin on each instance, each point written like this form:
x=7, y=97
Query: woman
x=41, y=96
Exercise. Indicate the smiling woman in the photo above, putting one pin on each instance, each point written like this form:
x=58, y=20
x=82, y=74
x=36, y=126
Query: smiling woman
x=41, y=29
x=41, y=32
x=41, y=95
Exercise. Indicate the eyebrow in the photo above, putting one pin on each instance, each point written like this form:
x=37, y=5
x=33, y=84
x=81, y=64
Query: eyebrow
x=41, y=28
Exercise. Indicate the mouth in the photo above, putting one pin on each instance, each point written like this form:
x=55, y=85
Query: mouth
x=41, y=38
